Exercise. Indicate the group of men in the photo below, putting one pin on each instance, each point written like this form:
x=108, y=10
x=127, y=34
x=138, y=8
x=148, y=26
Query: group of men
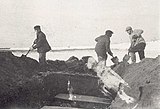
x=102, y=47
x=138, y=44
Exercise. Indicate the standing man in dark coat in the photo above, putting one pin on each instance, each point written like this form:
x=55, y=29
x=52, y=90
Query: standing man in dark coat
x=103, y=46
x=41, y=44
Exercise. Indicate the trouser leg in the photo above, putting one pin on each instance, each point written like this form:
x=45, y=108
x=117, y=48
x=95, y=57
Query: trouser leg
x=102, y=60
x=42, y=59
x=138, y=48
x=141, y=55
x=133, y=57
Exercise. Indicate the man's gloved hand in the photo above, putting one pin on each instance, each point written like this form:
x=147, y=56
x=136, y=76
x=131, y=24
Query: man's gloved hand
x=31, y=48
x=34, y=46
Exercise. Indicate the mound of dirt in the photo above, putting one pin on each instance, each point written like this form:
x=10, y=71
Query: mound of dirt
x=72, y=65
x=15, y=72
x=144, y=80
x=23, y=83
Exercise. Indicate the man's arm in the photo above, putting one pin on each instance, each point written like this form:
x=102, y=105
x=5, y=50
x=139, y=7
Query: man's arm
x=110, y=52
x=137, y=33
x=96, y=39
x=107, y=44
x=35, y=41
x=39, y=41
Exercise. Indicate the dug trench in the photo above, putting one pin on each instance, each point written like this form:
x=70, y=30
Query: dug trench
x=24, y=85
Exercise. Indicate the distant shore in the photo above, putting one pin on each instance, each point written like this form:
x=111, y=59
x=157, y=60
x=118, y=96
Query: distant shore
x=151, y=46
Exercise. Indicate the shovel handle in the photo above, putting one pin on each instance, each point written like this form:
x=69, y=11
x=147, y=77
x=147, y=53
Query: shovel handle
x=28, y=52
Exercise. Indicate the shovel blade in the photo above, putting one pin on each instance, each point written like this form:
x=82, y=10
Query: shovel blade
x=23, y=56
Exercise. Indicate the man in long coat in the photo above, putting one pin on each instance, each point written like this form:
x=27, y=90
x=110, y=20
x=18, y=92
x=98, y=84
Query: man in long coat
x=42, y=45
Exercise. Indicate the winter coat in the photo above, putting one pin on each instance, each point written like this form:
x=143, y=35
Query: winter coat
x=41, y=43
x=136, y=37
x=103, y=46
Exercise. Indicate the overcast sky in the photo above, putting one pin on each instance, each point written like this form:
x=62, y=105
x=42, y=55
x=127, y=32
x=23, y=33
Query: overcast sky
x=75, y=22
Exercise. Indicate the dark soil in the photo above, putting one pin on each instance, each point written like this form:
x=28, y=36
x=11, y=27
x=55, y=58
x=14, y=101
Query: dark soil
x=23, y=83
x=144, y=79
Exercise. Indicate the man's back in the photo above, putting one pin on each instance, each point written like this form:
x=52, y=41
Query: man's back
x=136, y=37
x=42, y=43
x=101, y=42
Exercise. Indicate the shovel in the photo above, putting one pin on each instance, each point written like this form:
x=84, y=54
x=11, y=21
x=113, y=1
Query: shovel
x=26, y=53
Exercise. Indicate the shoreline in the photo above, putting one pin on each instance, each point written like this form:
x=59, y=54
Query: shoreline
x=151, y=46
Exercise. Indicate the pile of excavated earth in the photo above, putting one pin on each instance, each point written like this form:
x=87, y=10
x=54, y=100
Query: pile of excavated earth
x=23, y=84
x=144, y=80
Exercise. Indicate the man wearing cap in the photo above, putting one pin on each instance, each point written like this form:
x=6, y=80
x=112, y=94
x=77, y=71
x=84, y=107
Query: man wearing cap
x=103, y=46
x=42, y=45
x=138, y=43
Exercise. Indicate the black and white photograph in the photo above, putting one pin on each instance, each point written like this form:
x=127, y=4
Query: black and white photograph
x=79, y=54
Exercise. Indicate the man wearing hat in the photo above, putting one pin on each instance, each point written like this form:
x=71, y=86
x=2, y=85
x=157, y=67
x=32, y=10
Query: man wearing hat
x=103, y=46
x=138, y=43
x=42, y=45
